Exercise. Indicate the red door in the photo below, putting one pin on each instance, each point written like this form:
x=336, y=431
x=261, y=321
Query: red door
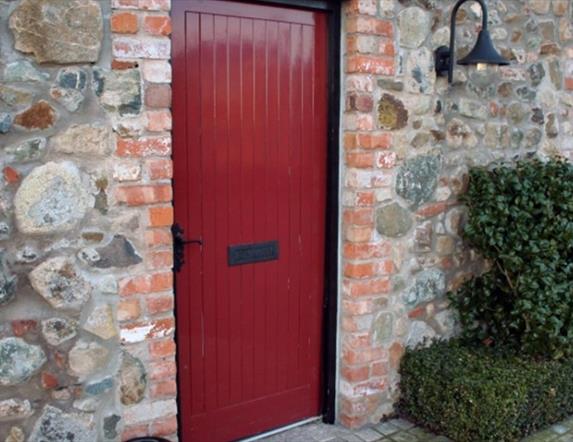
x=250, y=133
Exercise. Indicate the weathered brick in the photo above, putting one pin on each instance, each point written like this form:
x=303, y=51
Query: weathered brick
x=161, y=349
x=158, y=48
x=142, y=195
x=164, y=427
x=163, y=388
x=379, y=65
x=156, y=71
x=124, y=23
x=160, y=259
x=158, y=237
x=128, y=309
x=159, y=304
x=142, y=147
x=157, y=24
x=158, y=95
x=370, y=25
x=159, y=169
x=152, y=329
x=159, y=120
x=160, y=216
x=157, y=282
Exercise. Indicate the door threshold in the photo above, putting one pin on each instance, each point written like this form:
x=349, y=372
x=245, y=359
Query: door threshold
x=281, y=429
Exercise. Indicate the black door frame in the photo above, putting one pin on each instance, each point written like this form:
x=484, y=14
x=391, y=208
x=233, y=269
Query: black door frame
x=331, y=277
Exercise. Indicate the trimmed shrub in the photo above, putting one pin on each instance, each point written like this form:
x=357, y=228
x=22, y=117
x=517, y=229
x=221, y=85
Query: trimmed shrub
x=521, y=220
x=471, y=394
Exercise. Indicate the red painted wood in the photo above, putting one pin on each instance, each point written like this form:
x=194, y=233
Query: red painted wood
x=250, y=133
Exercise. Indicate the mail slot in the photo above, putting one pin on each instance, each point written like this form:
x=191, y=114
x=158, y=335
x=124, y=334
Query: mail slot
x=250, y=253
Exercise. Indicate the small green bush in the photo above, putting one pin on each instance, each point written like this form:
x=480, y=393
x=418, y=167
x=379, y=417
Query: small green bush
x=521, y=220
x=472, y=394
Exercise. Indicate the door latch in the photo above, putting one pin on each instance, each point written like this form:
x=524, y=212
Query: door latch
x=179, y=243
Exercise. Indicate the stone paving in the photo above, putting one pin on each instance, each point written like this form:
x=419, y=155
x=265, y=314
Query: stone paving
x=398, y=430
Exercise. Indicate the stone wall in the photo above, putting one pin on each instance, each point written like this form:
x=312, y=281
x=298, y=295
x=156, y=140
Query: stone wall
x=409, y=139
x=86, y=300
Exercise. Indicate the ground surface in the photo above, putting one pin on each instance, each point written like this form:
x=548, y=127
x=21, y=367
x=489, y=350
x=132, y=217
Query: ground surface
x=398, y=430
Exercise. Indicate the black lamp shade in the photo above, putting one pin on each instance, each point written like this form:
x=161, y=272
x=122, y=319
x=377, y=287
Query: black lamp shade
x=483, y=52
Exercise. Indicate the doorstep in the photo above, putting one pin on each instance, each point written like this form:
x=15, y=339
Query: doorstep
x=398, y=430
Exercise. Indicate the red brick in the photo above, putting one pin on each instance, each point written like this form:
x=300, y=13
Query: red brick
x=370, y=64
x=160, y=259
x=355, y=374
x=159, y=304
x=159, y=169
x=376, y=140
x=128, y=310
x=360, y=270
x=161, y=349
x=141, y=195
x=160, y=216
x=357, y=340
x=165, y=388
x=386, y=47
x=359, y=102
x=164, y=427
x=159, y=370
x=359, y=216
x=352, y=421
x=367, y=287
x=133, y=431
x=124, y=23
x=362, y=356
x=121, y=65
x=379, y=368
x=432, y=209
x=159, y=120
x=142, y=147
x=158, y=95
x=157, y=282
x=358, y=233
x=396, y=351
x=569, y=83
x=361, y=7
x=157, y=24
x=158, y=237
x=366, y=250
x=361, y=160
x=370, y=25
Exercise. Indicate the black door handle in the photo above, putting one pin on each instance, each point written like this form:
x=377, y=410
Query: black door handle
x=179, y=243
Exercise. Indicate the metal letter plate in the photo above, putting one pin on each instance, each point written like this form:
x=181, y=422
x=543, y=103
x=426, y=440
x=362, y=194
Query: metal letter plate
x=251, y=253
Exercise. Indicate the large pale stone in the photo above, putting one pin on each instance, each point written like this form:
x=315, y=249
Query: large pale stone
x=132, y=380
x=90, y=139
x=418, y=178
x=101, y=323
x=51, y=199
x=59, y=283
x=58, y=31
x=119, y=91
x=85, y=358
x=19, y=360
x=13, y=409
x=414, y=26
x=56, y=331
x=56, y=426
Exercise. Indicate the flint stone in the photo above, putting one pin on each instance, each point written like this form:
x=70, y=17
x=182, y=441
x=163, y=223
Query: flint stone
x=473, y=109
x=51, y=199
x=119, y=91
x=58, y=281
x=23, y=71
x=28, y=150
x=393, y=220
x=85, y=358
x=533, y=137
x=536, y=74
x=392, y=114
x=101, y=323
x=110, y=426
x=414, y=24
x=19, y=360
x=429, y=284
x=420, y=333
x=14, y=96
x=56, y=331
x=118, y=253
x=90, y=139
x=417, y=179
x=552, y=126
x=13, y=409
x=5, y=122
x=99, y=387
x=132, y=380
x=420, y=72
x=69, y=88
x=56, y=426
x=8, y=285
x=58, y=31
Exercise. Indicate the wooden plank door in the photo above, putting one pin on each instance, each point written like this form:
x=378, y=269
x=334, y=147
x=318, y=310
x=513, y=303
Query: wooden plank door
x=250, y=137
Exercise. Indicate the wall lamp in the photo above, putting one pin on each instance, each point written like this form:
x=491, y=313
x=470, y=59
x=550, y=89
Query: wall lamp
x=482, y=54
